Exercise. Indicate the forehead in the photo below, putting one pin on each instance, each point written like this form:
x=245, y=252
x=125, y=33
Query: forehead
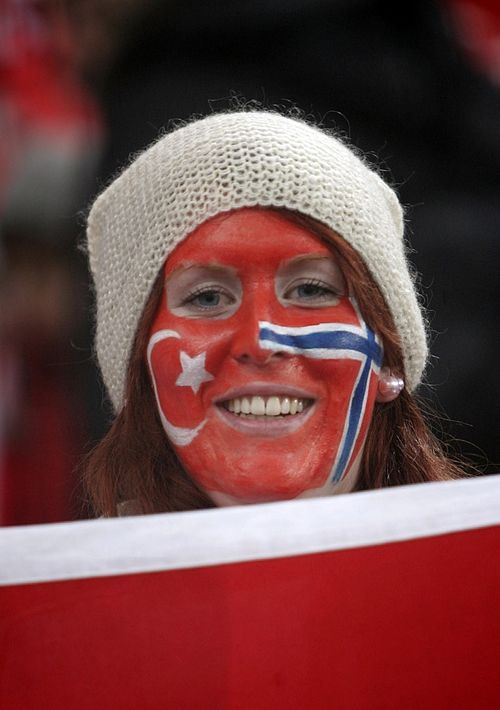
x=245, y=237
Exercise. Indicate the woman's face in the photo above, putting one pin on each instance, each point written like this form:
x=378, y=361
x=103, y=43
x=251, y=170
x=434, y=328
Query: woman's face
x=263, y=369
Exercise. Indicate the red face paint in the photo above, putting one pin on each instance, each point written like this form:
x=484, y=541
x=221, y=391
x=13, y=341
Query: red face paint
x=256, y=319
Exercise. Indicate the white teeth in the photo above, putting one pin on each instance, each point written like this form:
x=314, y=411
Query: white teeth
x=273, y=406
x=257, y=406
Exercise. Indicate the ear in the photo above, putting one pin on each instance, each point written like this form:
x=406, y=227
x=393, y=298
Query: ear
x=389, y=386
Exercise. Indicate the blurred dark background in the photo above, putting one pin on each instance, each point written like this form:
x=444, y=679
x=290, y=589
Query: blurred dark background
x=85, y=84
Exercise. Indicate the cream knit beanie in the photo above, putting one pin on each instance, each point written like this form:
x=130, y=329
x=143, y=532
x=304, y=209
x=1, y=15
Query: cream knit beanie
x=220, y=163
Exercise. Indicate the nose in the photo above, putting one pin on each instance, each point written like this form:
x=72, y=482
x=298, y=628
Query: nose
x=246, y=347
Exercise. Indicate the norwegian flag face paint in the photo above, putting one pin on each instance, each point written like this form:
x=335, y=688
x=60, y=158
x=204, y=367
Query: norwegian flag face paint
x=263, y=369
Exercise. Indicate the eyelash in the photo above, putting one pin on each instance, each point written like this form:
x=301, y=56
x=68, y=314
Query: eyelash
x=193, y=295
x=328, y=291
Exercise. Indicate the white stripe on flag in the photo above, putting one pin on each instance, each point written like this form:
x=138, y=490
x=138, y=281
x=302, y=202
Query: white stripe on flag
x=316, y=353
x=318, y=328
x=152, y=543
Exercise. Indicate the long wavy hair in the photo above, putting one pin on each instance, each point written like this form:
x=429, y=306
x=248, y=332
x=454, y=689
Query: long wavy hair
x=134, y=469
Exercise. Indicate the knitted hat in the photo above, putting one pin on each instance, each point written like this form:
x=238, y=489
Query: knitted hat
x=220, y=163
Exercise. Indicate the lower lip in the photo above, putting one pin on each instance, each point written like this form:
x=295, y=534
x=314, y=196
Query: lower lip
x=265, y=426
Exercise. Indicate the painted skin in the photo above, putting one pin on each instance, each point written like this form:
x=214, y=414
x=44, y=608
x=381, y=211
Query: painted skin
x=233, y=272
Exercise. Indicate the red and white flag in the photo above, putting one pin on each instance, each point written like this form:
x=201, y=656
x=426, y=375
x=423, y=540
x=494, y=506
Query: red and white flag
x=377, y=600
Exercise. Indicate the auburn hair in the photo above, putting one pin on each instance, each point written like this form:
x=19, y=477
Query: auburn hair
x=134, y=469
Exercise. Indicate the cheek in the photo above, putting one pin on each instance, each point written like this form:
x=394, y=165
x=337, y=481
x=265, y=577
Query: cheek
x=194, y=335
x=339, y=377
x=339, y=380
x=351, y=396
x=185, y=358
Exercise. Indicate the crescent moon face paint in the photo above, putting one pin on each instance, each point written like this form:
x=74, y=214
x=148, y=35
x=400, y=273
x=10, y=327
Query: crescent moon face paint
x=263, y=369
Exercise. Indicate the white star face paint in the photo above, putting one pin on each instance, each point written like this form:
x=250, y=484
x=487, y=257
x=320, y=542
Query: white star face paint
x=193, y=371
x=272, y=365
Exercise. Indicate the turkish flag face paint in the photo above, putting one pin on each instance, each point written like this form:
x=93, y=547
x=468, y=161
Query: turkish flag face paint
x=263, y=369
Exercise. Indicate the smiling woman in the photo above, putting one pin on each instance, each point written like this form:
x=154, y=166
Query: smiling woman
x=281, y=349
x=257, y=325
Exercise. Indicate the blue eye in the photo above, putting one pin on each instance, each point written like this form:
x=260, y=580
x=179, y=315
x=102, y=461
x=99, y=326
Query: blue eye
x=208, y=298
x=312, y=291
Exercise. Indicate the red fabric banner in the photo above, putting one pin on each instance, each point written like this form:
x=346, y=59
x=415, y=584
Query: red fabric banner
x=407, y=624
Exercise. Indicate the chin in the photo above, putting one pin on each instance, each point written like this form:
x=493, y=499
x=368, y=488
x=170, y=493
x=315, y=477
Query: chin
x=236, y=495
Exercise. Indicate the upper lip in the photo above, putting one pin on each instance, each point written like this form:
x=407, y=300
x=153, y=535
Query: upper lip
x=265, y=389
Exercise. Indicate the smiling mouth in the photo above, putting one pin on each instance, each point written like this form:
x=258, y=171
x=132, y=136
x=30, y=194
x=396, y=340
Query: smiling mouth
x=266, y=407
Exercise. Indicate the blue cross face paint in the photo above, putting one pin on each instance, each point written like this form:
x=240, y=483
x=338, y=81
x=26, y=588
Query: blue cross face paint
x=334, y=341
x=264, y=370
